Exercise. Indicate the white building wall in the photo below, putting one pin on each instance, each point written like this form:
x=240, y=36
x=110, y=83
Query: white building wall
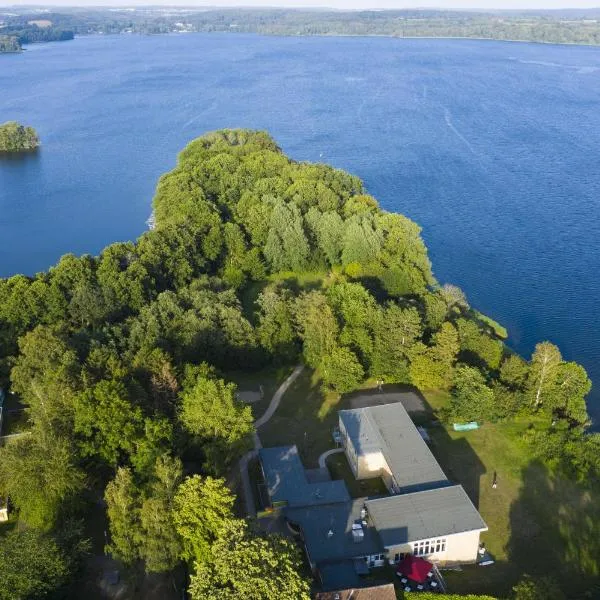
x=459, y=548
x=371, y=465
x=462, y=547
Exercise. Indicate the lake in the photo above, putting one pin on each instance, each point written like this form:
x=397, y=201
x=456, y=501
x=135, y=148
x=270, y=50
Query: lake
x=493, y=148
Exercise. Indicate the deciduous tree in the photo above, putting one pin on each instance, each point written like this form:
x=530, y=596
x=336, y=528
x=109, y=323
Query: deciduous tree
x=248, y=566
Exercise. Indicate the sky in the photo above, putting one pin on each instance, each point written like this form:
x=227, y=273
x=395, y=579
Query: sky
x=352, y=4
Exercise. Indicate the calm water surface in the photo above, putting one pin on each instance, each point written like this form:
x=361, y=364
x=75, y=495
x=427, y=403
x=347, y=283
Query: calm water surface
x=493, y=148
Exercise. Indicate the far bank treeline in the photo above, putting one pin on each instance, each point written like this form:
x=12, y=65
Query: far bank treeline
x=548, y=26
x=19, y=32
x=255, y=260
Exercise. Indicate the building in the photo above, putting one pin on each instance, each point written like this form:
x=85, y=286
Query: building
x=441, y=524
x=382, y=441
x=425, y=514
x=378, y=592
x=289, y=484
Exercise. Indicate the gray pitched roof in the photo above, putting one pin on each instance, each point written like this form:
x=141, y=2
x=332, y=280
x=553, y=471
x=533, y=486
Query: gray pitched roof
x=390, y=429
x=424, y=515
x=378, y=592
x=317, y=521
x=287, y=482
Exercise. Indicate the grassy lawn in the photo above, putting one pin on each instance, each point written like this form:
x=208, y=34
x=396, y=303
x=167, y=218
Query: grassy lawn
x=270, y=379
x=340, y=469
x=305, y=417
x=538, y=523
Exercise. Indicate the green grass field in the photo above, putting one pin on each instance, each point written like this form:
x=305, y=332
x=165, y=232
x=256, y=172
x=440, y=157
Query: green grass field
x=305, y=417
x=270, y=379
x=538, y=523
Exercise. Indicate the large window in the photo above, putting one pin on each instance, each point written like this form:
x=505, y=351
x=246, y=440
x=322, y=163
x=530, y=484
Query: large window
x=427, y=547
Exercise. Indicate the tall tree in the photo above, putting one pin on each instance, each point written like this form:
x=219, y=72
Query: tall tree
x=433, y=367
x=107, y=421
x=201, y=508
x=362, y=241
x=341, y=370
x=40, y=475
x=210, y=410
x=514, y=372
x=354, y=307
x=248, y=566
x=317, y=326
x=472, y=399
x=45, y=375
x=275, y=330
x=123, y=505
x=396, y=331
x=33, y=565
x=287, y=247
x=159, y=543
x=570, y=389
x=542, y=374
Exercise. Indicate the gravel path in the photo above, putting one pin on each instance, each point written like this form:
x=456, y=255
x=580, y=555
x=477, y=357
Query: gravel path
x=243, y=464
x=323, y=458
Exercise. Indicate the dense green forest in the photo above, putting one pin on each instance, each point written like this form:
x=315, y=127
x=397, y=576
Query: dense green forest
x=17, y=138
x=564, y=27
x=19, y=32
x=120, y=361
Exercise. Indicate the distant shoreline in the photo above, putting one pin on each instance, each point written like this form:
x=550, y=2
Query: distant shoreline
x=339, y=35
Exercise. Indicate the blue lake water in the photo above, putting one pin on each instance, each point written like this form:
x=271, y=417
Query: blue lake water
x=493, y=148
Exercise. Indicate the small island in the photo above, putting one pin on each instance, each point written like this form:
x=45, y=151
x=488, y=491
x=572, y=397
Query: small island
x=9, y=44
x=15, y=137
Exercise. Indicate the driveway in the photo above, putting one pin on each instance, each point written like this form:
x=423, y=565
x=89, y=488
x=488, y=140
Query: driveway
x=411, y=400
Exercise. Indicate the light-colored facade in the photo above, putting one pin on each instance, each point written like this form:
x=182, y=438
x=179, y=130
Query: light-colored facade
x=456, y=549
x=368, y=465
x=382, y=441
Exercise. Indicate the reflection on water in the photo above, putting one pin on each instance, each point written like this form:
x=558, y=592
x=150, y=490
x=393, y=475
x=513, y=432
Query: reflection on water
x=32, y=156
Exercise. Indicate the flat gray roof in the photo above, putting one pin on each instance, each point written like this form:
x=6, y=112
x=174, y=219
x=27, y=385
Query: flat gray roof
x=317, y=521
x=287, y=482
x=424, y=515
x=390, y=430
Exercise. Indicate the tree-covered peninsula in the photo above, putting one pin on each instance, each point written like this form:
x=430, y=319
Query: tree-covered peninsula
x=125, y=365
x=15, y=137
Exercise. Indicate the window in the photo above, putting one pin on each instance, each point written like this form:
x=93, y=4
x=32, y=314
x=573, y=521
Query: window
x=427, y=547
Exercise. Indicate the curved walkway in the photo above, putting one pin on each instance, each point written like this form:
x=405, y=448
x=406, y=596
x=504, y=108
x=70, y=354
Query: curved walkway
x=274, y=404
x=323, y=458
x=243, y=464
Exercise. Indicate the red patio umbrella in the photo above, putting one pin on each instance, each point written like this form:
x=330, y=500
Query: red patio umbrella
x=414, y=568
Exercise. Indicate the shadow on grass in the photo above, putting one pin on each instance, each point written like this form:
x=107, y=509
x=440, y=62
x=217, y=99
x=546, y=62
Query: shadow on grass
x=458, y=459
x=306, y=417
x=555, y=526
